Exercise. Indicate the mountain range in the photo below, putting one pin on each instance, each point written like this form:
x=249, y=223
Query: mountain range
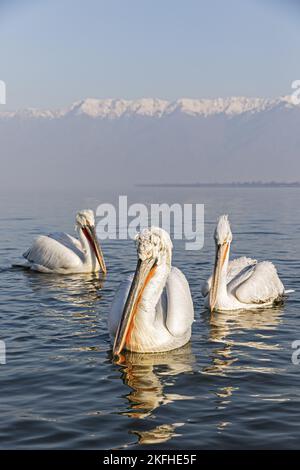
x=113, y=142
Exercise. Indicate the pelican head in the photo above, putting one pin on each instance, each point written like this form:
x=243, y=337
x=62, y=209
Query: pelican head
x=85, y=221
x=154, y=243
x=154, y=248
x=85, y=217
x=223, y=239
x=223, y=232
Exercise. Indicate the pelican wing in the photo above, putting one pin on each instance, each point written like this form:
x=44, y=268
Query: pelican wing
x=240, y=277
x=235, y=268
x=56, y=251
x=67, y=240
x=263, y=286
x=180, y=309
x=238, y=265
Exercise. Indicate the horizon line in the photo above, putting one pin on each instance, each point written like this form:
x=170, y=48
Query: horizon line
x=216, y=184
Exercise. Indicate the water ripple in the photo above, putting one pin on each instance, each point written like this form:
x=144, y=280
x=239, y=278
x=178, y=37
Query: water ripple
x=233, y=386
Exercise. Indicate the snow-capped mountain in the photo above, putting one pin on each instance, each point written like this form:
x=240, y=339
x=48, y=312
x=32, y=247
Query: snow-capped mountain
x=153, y=107
x=115, y=142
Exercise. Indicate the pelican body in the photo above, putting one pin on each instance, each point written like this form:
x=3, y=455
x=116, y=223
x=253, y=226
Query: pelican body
x=242, y=283
x=61, y=253
x=153, y=310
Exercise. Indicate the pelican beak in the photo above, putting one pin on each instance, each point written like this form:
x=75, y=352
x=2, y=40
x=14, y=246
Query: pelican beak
x=143, y=273
x=90, y=234
x=221, y=255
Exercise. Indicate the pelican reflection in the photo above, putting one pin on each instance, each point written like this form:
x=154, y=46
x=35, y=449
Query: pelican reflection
x=235, y=333
x=81, y=290
x=159, y=434
x=148, y=375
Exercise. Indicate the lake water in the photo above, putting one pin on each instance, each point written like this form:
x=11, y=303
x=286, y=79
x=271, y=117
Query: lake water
x=233, y=386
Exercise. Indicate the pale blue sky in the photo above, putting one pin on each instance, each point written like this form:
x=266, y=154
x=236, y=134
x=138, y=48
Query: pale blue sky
x=54, y=52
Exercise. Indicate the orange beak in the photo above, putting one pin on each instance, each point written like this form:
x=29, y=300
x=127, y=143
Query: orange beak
x=143, y=273
x=90, y=234
x=221, y=255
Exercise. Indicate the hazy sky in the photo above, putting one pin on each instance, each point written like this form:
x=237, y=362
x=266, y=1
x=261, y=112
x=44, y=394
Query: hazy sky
x=54, y=52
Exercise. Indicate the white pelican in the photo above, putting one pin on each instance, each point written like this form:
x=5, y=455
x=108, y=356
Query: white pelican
x=153, y=310
x=242, y=283
x=61, y=253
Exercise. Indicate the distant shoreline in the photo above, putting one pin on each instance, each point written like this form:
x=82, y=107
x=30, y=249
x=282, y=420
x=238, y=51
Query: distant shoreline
x=221, y=185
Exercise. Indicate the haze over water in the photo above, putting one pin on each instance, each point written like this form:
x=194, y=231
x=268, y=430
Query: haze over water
x=233, y=386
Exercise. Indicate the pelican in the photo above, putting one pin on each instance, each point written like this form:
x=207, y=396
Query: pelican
x=153, y=310
x=242, y=283
x=61, y=253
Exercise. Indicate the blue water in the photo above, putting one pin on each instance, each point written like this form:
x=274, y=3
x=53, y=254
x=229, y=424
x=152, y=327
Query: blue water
x=233, y=386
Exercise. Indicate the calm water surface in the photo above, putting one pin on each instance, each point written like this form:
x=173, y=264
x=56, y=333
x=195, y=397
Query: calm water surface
x=233, y=386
